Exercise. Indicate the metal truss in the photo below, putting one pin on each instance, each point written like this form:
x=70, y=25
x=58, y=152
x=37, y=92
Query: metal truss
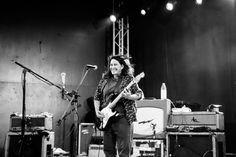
x=121, y=37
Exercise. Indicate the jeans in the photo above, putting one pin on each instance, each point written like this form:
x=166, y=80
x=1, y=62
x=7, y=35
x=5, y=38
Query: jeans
x=118, y=136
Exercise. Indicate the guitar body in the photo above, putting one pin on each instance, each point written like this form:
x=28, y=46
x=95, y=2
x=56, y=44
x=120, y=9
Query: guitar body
x=107, y=112
x=102, y=123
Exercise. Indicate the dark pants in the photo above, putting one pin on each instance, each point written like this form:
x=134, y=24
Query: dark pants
x=119, y=134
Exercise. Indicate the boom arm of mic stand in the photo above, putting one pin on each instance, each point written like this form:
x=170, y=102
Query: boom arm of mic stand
x=37, y=75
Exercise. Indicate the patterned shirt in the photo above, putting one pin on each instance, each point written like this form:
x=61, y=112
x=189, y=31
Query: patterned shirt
x=129, y=105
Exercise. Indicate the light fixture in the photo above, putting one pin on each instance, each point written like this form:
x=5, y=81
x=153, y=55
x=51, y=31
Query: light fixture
x=170, y=5
x=198, y=2
x=113, y=18
x=143, y=12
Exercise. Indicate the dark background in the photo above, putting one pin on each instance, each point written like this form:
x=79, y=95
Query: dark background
x=191, y=49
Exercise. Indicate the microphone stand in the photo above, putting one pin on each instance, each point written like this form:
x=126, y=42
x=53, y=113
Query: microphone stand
x=23, y=121
x=76, y=115
x=23, y=115
x=153, y=129
x=74, y=101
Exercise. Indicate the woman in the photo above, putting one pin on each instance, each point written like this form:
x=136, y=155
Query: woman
x=119, y=129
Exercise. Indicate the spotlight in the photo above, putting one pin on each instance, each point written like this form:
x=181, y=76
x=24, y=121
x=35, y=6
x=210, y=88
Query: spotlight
x=170, y=6
x=198, y=2
x=113, y=18
x=143, y=12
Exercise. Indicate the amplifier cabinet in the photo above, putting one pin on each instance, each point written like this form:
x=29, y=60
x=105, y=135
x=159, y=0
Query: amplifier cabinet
x=86, y=131
x=34, y=145
x=88, y=134
x=36, y=122
x=192, y=144
x=212, y=120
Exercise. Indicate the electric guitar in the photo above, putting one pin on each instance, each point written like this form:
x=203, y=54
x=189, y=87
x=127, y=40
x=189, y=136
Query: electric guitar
x=107, y=111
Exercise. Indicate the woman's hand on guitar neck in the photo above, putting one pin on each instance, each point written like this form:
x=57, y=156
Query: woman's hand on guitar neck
x=127, y=94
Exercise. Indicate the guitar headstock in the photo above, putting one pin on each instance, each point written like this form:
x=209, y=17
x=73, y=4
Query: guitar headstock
x=139, y=76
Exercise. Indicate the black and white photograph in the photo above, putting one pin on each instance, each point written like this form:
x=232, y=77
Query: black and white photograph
x=118, y=78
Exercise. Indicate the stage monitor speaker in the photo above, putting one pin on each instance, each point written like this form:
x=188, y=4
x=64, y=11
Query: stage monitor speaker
x=34, y=145
x=195, y=144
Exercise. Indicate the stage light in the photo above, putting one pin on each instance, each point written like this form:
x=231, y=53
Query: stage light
x=113, y=18
x=198, y=2
x=170, y=6
x=143, y=12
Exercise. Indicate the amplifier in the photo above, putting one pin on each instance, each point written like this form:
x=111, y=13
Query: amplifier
x=32, y=122
x=195, y=144
x=86, y=130
x=211, y=120
x=34, y=144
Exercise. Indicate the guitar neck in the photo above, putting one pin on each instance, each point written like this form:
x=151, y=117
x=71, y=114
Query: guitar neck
x=113, y=103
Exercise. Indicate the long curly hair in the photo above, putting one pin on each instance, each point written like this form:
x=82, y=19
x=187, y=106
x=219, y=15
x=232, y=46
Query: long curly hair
x=123, y=60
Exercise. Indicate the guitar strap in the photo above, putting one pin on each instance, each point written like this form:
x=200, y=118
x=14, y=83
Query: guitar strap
x=116, y=88
x=113, y=91
x=116, y=92
x=104, y=84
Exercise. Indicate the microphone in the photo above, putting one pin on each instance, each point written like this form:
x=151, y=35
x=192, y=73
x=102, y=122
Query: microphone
x=63, y=80
x=89, y=66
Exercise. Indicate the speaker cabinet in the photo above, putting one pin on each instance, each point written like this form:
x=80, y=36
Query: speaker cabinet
x=34, y=144
x=86, y=131
x=195, y=144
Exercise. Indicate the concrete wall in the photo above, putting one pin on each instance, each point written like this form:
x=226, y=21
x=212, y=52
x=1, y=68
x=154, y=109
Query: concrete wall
x=48, y=49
